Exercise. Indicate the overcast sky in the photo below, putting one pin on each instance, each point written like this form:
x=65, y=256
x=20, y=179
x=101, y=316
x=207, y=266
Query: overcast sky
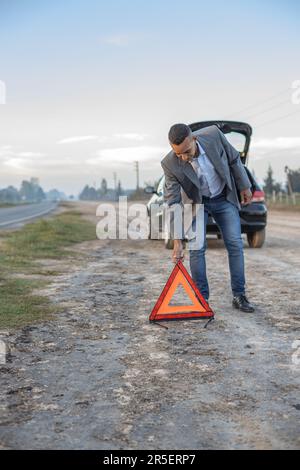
x=92, y=85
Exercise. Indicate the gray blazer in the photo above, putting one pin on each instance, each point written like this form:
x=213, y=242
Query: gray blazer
x=180, y=175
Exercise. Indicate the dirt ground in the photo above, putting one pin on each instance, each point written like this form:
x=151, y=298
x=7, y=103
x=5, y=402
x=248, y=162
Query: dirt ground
x=99, y=376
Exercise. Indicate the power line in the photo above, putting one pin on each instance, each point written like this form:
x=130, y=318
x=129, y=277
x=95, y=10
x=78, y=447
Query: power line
x=277, y=119
x=266, y=110
x=258, y=104
x=136, y=166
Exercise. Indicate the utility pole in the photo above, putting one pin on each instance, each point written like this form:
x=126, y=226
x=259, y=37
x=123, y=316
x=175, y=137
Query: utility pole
x=136, y=166
x=115, y=183
x=287, y=171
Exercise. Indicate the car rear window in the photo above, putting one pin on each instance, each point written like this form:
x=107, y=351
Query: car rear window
x=237, y=140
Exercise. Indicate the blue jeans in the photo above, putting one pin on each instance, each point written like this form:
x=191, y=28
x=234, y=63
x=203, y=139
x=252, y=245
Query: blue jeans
x=227, y=218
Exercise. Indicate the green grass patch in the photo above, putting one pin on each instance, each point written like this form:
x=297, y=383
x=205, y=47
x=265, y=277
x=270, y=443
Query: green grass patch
x=13, y=204
x=45, y=239
x=19, y=307
x=19, y=252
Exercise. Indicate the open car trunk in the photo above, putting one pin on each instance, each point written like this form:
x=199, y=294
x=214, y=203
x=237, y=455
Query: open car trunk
x=233, y=129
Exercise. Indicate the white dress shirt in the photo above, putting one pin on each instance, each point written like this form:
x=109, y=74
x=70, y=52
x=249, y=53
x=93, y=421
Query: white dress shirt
x=210, y=182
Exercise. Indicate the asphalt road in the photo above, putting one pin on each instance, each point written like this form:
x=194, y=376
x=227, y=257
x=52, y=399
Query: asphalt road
x=18, y=215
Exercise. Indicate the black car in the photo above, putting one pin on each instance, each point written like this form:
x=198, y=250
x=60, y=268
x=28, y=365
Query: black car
x=254, y=215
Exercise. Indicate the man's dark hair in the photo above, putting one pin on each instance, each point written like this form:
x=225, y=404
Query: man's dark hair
x=178, y=132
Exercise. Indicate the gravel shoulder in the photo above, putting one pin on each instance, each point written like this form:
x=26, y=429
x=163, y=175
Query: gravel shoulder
x=99, y=376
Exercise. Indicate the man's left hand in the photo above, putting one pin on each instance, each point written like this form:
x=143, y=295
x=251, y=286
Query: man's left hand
x=246, y=196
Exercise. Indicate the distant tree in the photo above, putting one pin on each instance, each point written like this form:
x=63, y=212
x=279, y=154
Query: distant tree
x=31, y=191
x=10, y=195
x=83, y=196
x=88, y=194
x=119, y=189
x=93, y=196
x=34, y=181
x=53, y=195
x=270, y=184
x=27, y=191
x=39, y=194
x=278, y=187
x=103, y=186
x=295, y=180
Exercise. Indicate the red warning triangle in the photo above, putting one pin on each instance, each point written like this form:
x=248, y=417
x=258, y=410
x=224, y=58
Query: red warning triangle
x=198, y=308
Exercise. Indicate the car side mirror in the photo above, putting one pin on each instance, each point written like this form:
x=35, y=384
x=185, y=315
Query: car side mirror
x=150, y=190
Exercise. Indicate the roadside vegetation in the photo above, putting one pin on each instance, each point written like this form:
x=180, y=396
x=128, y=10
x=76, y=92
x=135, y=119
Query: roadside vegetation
x=21, y=272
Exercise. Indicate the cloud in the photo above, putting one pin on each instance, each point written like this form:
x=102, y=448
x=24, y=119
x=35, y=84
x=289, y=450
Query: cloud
x=30, y=154
x=130, y=136
x=272, y=148
x=7, y=153
x=119, y=40
x=18, y=163
x=126, y=155
x=5, y=148
x=278, y=143
x=81, y=138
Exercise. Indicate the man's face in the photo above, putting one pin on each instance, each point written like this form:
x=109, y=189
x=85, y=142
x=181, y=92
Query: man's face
x=187, y=150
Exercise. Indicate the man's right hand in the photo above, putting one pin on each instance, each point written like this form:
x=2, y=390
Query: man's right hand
x=178, y=251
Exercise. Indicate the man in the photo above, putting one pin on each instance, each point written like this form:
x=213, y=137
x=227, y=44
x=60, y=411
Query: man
x=209, y=170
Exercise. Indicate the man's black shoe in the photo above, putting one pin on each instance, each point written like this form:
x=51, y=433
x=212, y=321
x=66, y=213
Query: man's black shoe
x=242, y=303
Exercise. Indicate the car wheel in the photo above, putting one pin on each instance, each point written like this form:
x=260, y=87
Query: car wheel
x=149, y=227
x=256, y=239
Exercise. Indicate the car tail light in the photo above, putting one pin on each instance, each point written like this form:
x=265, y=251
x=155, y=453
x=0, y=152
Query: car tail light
x=258, y=196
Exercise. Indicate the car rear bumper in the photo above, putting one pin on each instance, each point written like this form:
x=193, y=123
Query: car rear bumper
x=253, y=218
